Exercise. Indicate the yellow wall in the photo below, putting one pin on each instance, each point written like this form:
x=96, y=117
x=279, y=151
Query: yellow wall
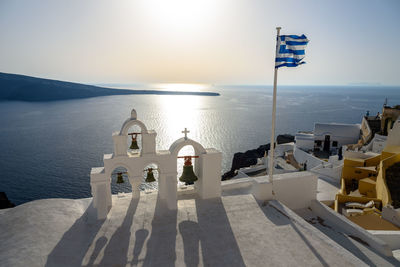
x=350, y=172
x=352, y=162
x=382, y=191
x=373, y=161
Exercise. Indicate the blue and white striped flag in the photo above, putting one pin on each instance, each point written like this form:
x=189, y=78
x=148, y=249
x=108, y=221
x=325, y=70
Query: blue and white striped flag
x=290, y=50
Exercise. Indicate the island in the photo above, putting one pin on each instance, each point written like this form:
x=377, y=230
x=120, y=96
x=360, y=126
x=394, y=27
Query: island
x=15, y=87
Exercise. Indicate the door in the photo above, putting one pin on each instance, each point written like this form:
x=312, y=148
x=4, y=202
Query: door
x=327, y=143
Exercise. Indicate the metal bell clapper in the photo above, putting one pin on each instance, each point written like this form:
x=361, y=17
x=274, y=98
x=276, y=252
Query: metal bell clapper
x=188, y=175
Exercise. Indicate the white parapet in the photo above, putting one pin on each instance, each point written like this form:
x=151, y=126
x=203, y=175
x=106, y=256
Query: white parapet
x=120, y=146
x=149, y=142
x=302, y=157
x=101, y=191
x=209, y=184
x=296, y=190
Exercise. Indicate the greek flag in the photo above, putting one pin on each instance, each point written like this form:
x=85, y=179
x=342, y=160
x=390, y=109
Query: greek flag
x=290, y=50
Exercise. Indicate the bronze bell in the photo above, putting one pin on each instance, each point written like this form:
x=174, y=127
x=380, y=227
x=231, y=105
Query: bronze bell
x=150, y=176
x=120, y=179
x=188, y=176
x=134, y=144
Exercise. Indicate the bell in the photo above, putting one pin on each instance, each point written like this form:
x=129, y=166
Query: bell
x=120, y=179
x=188, y=176
x=150, y=176
x=134, y=144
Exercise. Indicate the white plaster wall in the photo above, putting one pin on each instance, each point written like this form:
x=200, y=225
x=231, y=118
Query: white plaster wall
x=149, y=143
x=343, y=133
x=100, y=186
x=355, y=155
x=209, y=184
x=329, y=170
x=302, y=157
x=392, y=238
x=378, y=146
x=304, y=143
x=295, y=190
x=282, y=148
x=120, y=146
x=349, y=227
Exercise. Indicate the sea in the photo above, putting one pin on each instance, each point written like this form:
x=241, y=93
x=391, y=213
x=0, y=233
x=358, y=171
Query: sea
x=47, y=149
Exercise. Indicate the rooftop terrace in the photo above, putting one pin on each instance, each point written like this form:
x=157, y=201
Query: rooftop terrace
x=233, y=230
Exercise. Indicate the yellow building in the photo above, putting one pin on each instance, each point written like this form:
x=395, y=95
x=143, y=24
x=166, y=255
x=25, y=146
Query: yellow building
x=364, y=178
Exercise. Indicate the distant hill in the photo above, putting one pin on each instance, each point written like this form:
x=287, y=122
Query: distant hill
x=26, y=88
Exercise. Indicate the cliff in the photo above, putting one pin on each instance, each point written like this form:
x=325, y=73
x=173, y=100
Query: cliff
x=248, y=158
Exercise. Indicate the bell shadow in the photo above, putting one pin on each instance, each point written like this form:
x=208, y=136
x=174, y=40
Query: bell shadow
x=218, y=242
x=140, y=237
x=190, y=232
x=116, y=252
x=73, y=246
x=160, y=249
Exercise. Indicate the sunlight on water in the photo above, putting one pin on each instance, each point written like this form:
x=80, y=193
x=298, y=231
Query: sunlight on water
x=49, y=147
x=181, y=87
x=181, y=112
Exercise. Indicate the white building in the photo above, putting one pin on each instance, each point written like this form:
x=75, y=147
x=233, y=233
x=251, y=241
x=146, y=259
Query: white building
x=328, y=137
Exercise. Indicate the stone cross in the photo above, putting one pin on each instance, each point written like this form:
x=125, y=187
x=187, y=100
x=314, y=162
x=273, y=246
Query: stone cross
x=185, y=132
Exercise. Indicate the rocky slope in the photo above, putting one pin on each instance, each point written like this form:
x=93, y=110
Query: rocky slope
x=248, y=158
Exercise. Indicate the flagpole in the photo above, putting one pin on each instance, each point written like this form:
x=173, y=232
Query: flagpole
x=272, y=148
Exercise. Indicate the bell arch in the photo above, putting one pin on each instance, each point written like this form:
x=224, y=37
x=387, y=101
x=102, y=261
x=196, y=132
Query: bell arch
x=198, y=150
x=116, y=165
x=180, y=143
x=115, y=186
x=132, y=122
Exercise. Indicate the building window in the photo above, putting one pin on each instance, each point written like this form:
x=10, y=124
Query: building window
x=318, y=142
x=334, y=143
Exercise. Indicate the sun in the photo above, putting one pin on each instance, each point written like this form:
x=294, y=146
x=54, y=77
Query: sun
x=180, y=15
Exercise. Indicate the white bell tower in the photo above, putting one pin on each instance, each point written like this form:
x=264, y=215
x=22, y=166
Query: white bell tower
x=207, y=168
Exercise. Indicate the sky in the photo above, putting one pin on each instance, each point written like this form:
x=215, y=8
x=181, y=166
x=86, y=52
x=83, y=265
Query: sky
x=207, y=41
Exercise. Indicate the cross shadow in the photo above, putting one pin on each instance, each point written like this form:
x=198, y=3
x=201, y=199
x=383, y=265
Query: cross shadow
x=160, y=249
x=116, y=252
x=73, y=246
x=218, y=242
